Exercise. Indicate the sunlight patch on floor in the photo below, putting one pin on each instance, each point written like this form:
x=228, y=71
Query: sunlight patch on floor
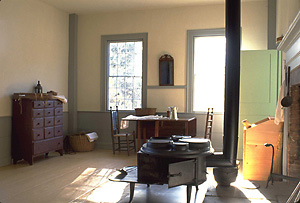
x=92, y=185
x=249, y=189
x=109, y=192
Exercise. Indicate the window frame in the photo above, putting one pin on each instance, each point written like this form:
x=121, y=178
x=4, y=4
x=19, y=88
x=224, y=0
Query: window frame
x=191, y=35
x=105, y=40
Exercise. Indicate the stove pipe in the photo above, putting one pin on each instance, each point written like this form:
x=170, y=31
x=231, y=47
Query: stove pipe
x=232, y=86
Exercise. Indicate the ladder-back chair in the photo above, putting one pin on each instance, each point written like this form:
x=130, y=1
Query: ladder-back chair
x=120, y=141
x=209, y=122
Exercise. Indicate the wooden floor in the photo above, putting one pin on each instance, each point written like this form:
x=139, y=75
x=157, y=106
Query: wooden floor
x=82, y=177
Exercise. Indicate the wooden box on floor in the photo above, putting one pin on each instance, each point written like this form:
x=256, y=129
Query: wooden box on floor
x=257, y=158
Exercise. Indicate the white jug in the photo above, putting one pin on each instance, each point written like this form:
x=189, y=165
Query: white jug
x=173, y=112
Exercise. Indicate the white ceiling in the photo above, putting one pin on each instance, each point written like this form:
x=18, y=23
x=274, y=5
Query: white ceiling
x=95, y=6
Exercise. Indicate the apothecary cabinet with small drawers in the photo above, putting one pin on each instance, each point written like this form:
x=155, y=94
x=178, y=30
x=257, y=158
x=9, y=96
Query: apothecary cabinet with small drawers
x=37, y=126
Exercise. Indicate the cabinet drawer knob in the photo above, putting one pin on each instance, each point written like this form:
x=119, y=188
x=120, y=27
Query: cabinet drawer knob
x=38, y=124
x=49, y=121
x=38, y=135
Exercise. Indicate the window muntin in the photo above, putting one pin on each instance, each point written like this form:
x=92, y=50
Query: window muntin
x=125, y=68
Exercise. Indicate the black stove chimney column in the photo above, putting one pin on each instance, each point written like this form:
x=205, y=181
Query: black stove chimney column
x=232, y=79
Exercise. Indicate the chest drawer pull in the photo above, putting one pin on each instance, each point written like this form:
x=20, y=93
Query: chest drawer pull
x=48, y=104
x=38, y=134
x=38, y=104
x=58, y=130
x=37, y=113
x=38, y=123
x=58, y=111
x=58, y=120
x=49, y=132
x=49, y=121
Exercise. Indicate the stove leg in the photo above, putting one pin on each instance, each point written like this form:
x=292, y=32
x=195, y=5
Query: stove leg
x=188, y=193
x=131, y=191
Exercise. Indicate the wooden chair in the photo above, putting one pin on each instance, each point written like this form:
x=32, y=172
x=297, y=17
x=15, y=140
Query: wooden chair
x=120, y=141
x=209, y=122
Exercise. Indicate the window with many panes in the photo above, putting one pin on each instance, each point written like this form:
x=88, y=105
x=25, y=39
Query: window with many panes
x=206, y=66
x=124, y=71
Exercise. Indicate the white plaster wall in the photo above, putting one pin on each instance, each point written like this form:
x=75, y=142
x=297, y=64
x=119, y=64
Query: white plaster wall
x=33, y=46
x=167, y=33
x=286, y=12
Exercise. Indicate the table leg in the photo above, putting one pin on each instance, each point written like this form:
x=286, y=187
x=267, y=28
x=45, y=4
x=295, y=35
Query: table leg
x=186, y=125
x=188, y=193
x=139, y=134
x=156, y=134
x=144, y=135
x=131, y=191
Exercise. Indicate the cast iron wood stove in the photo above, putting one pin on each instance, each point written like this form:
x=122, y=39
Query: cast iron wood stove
x=177, y=160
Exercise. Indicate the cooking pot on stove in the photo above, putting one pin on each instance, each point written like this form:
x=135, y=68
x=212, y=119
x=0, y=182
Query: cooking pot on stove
x=180, y=146
x=165, y=144
x=160, y=138
x=176, y=138
x=197, y=143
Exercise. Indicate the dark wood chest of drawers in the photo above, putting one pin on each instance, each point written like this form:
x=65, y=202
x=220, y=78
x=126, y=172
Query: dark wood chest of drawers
x=37, y=128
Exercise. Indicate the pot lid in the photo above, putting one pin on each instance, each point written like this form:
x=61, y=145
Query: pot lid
x=180, y=143
x=159, y=141
x=194, y=140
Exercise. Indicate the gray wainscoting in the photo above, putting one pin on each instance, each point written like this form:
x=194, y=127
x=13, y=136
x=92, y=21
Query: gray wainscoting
x=99, y=122
x=5, y=138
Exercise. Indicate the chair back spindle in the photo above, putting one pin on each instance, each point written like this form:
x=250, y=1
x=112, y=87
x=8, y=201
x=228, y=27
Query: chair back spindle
x=209, y=122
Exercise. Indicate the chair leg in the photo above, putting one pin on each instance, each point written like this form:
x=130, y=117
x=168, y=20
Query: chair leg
x=127, y=141
x=134, y=143
x=113, y=145
x=119, y=144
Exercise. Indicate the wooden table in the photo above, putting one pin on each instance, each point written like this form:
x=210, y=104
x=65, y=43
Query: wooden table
x=156, y=126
